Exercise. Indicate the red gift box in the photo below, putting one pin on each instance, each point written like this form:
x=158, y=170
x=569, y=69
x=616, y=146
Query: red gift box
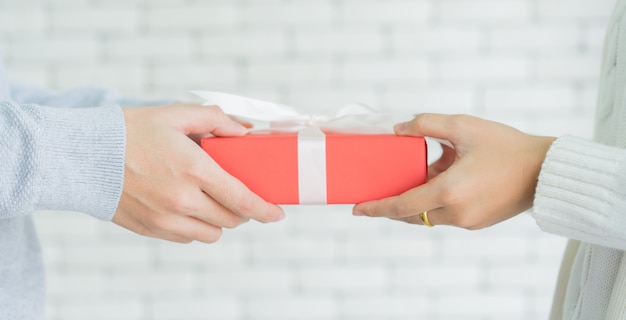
x=359, y=167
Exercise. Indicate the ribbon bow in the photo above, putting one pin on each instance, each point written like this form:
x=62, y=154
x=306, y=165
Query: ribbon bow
x=355, y=118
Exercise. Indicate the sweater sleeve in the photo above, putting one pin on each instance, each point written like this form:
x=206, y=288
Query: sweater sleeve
x=60, y=159
x=80, y=97
x=581, y=192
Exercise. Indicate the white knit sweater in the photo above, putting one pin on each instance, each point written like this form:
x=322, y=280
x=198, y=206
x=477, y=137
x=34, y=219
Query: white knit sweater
x=581, y=195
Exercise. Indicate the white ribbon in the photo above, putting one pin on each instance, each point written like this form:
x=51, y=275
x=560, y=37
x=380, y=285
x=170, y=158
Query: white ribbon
x=355, y=118
x=312, y=166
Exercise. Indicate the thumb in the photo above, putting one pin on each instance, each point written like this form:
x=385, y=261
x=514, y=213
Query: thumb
x=194, y=119
x=440, y=126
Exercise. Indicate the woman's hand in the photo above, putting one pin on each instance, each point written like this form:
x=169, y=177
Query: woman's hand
x=489, y=176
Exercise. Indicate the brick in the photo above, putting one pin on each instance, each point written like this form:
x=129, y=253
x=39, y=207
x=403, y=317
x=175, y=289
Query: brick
x=94, y=18
x=581, y=10
x=245, y=44
x=535, y=38
x=453, y=99
x=292, y=307
x=293, y=249
x=547, y=245
x=74, y=49
x=540, y=304
x=62, y=2
x=384, y=306
x=579, y=125
x=348, y=279
x=437, y=39
x=196, y=307
x=76, y=284
x=122, y=77
x=527, y=99
x=342, y=42
x=249, y=279
x=196, y=16
x=111, y=308
x=466, y=276
x=506, y=248
x=189, y=75
x=388, y=72
x=500, y=305
x=93, y=254
x=388, y=12
x=572, y=67
x=394, y=248
x=137, y=281
x=172, y=47
x=594, y=36
x=180, y=92
x=536, y=276
x=22, y=20
x=289, y=72
x=272, y=14
x=53, y=225
x=485, y=11
x=588, y=97
x=321, y=220
x=487, y=69
x=328, y=101
x=224, y=252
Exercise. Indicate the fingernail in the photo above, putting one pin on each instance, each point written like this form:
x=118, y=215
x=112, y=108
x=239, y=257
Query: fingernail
x=280, y=217
x=239, y=127
x=358, y=213
x=400, y=127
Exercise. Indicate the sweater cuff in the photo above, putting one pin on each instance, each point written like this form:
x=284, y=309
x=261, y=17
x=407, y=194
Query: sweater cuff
x=579, y=194
x=83, y=152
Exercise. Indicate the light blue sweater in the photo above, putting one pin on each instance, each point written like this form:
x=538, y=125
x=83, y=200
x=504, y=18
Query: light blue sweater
x=58, y=151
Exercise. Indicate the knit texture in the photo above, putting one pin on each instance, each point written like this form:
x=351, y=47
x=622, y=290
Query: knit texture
x=60, y=151
x=616, y=309
x=581, y=194
x=63, y=159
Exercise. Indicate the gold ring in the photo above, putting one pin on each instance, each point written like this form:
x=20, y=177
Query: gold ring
x=425, y=221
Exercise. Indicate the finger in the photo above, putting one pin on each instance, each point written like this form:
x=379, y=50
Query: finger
x=188, y=228
x=212, y=212
x=434, y=125
x=407, y=204
x=130, y=222
x=448, y=157
x=197, y=119
x=171, y=227
x=244, y=123
x=434, y=217
x=236, y=197
x=197, y=138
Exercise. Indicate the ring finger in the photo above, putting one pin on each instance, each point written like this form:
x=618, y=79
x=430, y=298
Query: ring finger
x=433, y=216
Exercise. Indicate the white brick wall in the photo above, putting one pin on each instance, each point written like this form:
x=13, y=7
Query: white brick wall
x=530, y=63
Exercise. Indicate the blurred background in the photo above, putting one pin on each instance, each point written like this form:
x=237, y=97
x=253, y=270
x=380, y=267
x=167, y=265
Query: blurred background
x=533, y=64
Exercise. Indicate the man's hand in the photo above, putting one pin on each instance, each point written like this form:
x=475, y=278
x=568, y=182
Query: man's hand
x=489, y=176
x=172, y=189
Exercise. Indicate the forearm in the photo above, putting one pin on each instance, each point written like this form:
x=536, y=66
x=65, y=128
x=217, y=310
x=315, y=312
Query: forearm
x=61, y=158
x=581, y=193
